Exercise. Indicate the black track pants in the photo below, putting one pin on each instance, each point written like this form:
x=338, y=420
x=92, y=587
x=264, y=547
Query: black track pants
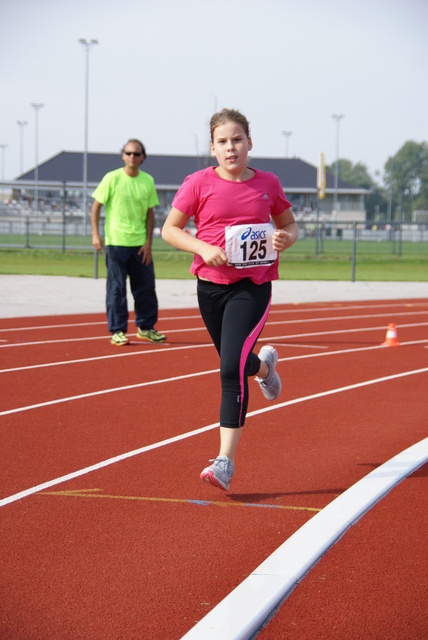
x=234, y=316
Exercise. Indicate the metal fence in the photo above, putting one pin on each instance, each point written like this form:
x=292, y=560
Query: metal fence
x=53, y=218
x=345, y=238
x=20, y=227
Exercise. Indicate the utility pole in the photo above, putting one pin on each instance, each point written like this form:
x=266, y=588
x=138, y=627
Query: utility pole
x=87, y=44
x=337, y=117
x=3, y=148
x=36, y=106
x=287, y=135
x=21, y=124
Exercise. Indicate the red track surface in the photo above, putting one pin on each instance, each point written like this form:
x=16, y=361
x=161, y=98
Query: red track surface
x=140, y=548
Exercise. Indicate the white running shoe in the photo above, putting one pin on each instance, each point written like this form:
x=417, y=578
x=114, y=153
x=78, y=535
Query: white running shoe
x=271, y=385
x=220, y=473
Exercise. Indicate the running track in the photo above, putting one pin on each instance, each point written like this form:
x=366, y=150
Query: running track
x=107, y=531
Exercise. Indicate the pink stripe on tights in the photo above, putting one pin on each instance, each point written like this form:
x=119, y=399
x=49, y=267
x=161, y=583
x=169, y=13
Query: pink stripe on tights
x=247, y=348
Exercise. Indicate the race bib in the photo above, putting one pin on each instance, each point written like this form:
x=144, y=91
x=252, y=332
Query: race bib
x=250, y=245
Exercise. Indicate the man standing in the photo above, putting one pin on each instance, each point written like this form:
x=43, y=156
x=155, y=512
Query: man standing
x=129, y=196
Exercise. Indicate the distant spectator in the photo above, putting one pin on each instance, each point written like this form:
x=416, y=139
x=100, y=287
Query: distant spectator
x=129, y=196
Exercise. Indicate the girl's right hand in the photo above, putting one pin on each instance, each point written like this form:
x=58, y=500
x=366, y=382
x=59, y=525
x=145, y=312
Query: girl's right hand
x=213, y=256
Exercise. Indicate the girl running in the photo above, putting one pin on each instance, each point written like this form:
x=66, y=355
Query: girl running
x=235, y=260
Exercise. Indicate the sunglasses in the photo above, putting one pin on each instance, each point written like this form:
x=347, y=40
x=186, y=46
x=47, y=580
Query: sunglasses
x=137, y=154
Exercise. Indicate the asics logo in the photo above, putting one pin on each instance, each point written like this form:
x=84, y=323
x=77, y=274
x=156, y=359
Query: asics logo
x=253, y=235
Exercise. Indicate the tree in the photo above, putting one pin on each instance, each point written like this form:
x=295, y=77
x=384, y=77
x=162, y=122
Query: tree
x=358, y=175
x=406, y=179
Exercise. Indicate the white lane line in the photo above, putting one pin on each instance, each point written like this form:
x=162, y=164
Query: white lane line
x=341, y=331
x=166, y=380
x=144, y=352
x=298, y=345
x=242, y=613
x=351, y=387
x=189, y=434
x=103, y=337
x=166, y=347
x=342, y=306
x=104, y=463
x=37, y=327
x=342, y=318
x=375, y=347
x=103, y=392
x=202, y=328
x=204, y=346
x=299, y=308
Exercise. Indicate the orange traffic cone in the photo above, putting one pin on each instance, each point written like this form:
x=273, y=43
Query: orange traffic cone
x=391, y=339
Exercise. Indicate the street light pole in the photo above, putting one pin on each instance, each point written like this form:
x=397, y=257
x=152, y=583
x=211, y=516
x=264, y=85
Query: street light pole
x=287, y=135
x=21, y=124
x=87, y=44
x=36, y=106
x=337, y=117
x=3, y=148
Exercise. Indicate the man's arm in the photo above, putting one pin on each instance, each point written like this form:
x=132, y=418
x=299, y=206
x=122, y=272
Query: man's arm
x=146, y=249
x=95, y=220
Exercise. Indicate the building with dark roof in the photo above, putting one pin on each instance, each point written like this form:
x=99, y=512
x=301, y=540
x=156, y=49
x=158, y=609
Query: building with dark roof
x=298, y=179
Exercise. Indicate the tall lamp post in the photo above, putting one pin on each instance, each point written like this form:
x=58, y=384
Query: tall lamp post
x=337, y=117
x=36, y=106
x=21, y=124
x=3, y=148
x=287, y=135
x=87, y=44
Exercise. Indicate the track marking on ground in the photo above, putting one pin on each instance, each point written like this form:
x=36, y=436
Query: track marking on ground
x=173, y=379
x=102, y=392
x=300, y=308
x=353, y=350
x=344, y=318
x=96, y=493
x=166, y=347
x=107, y=357
x=198, y=317
x=318, y=347
x=340, y=331
x=104, y=337
x=190, y=434
x=202, y=328
x=248, y=607
x=37, y=327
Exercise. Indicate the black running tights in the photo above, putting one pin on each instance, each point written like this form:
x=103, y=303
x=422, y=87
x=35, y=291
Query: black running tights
x=234, y=316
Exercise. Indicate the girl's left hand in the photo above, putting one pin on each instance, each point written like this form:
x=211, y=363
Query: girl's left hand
x=281, y=240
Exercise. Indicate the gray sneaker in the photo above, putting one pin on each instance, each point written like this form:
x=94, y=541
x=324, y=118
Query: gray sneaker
x=220, y=473
x=271, y=385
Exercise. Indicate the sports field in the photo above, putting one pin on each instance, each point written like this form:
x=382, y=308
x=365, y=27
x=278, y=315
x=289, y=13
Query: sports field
x=411, y=266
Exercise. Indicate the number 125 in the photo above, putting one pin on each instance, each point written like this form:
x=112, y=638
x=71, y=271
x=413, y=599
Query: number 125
x=257, y=250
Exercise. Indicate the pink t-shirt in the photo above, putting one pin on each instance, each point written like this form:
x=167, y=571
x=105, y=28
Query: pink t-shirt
x=215, y=203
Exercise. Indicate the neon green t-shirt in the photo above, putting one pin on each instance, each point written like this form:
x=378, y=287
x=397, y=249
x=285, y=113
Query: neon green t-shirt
x=126, y=200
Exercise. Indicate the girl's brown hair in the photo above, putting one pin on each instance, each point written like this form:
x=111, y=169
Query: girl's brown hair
x=229, y=115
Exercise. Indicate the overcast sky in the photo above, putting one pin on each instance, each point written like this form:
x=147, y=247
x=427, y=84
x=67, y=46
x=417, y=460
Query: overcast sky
x=162, y=67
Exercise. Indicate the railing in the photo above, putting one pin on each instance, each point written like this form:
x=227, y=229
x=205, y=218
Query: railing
x=60, y=223
x=363, y=239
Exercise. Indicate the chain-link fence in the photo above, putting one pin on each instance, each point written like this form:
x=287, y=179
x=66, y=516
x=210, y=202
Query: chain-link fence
x=52, y=217
x=49, y=217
